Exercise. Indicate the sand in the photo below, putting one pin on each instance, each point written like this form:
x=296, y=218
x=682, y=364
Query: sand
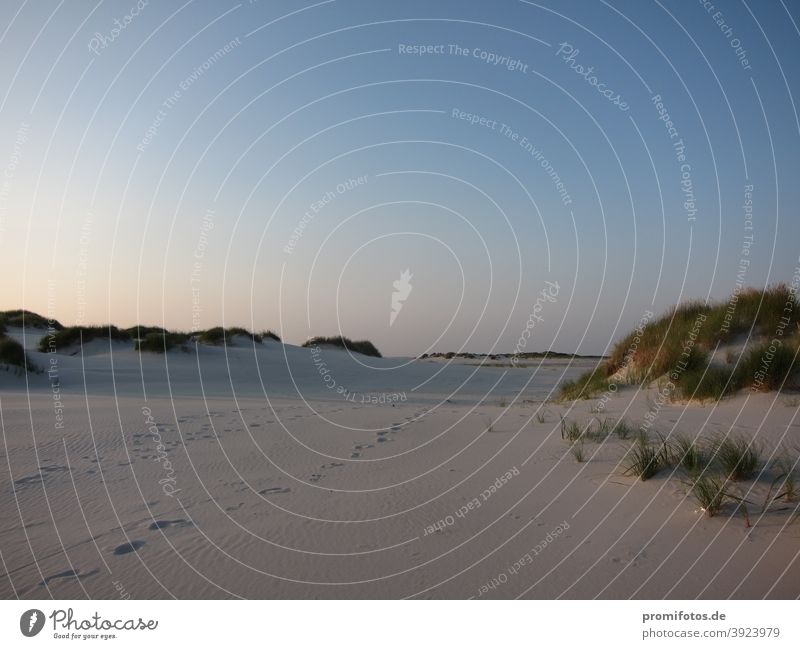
x=243, y=472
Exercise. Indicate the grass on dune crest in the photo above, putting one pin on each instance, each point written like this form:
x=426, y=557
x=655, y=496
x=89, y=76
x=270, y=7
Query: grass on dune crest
x=22, y=317
x=12, y=353
x=62, y=339
x=223, y=336
x=159, y=342
x=770, y=317
x=359, y=346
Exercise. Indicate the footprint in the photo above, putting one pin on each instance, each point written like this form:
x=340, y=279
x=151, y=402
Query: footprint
x=127, y=548
x=275, y=490
x=355, y=455
x=315, y=477
x=332, y=465
x=67, y=574
x=162, y=525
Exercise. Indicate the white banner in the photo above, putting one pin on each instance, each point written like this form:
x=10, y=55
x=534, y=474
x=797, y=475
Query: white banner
x=401, y=624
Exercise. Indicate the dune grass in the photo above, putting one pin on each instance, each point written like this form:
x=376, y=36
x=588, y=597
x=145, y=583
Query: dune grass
x=710, y=492
x=23, y=317
x=223, y=336
x=159, y=342
x=73, y=335
x=738, y=458
x=268, y=333
x=687, y=454
x=645, y=459
x=359, y=346
x=12, y=353
x=657, y=349
x=578, y=452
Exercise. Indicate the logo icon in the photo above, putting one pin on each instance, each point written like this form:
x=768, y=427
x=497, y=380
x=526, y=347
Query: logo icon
x=402, y=289
x=31, y=622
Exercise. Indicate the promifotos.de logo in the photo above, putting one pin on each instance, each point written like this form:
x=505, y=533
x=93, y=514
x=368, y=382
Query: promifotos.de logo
x=31, y=622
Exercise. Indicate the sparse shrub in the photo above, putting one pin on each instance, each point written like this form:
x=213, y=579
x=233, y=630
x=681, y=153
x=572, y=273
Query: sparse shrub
x=710, y=493
x=359, y=346
x=738, y=458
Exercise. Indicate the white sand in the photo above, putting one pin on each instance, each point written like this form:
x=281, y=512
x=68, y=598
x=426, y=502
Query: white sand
x=284, y=488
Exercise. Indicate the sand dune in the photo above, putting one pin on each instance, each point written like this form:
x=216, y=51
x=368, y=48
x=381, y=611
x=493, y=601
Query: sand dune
x=241, y=472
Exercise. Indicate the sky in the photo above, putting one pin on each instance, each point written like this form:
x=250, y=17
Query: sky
x=546, y=172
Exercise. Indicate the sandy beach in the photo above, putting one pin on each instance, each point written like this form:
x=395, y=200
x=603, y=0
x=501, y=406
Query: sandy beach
x=238, y=471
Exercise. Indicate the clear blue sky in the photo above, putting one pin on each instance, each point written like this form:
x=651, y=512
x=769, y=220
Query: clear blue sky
x=121, y=147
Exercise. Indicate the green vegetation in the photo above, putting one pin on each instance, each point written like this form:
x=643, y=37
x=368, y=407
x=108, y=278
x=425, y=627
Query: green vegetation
x=74, y=335
x=270, y=334
x=12, y=353
x=359, y=346
x=20, y=317
x=687, y=454
x=142, y=331
x=223, y=336
x=678, y=344
x=645, y=459
x=578, y=452
x=738, y=458
x=161, y=342
x=710, y=493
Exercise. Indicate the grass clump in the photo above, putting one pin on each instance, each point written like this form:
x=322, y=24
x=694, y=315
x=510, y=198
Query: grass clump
x=738, y=458
x=25, y=318
x=687, y=454
x=786, y=479
x=223, y=336
x=160, y=342
x=359, y=346
x=645, y=459
x=710, y=493
x=269, y=334
x=586, y=385
x=578, y=452
x=52, y=342
x=142, y=331
x=656, y=348
x=12, y=353
x=768, y=366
